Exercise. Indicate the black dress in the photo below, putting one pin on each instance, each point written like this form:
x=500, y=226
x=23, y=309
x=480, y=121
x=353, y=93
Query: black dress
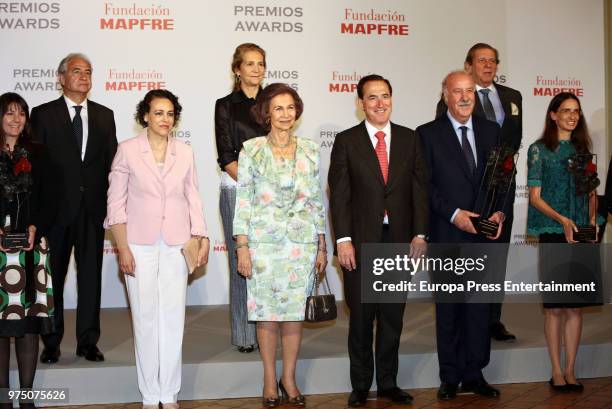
x=26, y=293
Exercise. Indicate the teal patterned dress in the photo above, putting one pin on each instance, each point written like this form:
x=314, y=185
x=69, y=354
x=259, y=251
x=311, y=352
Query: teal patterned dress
x=548, y=170
x=279, y=208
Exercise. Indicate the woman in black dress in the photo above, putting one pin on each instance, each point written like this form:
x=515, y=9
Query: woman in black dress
x=26, y=294
x=234, y=124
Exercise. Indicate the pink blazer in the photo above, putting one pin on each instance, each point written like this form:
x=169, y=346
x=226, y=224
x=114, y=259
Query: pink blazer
x=151, y=202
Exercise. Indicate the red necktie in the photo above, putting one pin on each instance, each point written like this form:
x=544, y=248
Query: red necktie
x=381, y=154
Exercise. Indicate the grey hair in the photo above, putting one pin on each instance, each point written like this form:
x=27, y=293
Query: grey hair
x=445, y=80
x=63, y=65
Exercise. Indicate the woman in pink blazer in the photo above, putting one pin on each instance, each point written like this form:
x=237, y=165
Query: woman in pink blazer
x=154, y=208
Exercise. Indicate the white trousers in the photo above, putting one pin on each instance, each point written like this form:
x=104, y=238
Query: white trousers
x=157, y=295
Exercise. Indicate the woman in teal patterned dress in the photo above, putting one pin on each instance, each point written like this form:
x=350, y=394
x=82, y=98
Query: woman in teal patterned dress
x=26, y=295
x=279, y=225
x=554, y=214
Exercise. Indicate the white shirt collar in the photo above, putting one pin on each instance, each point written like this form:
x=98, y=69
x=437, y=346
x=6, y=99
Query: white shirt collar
x=70, y=103
x=456, y=124
x=372, y=129
x=490, y=88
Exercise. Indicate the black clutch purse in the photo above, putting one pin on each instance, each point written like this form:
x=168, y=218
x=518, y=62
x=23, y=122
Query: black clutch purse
x=320, y=307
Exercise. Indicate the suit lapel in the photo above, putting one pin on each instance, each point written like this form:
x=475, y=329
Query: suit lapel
x=478, y=109
x=146, y=154
x=61, y=112
x=505, y=102
x=364, y=146
x=170, y=156
x=480, y=149
x=453, y=144
x=398, y=155
x=92, y=136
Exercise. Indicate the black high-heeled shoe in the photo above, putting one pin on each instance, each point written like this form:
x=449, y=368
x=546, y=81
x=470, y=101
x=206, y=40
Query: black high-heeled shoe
x=271, y=402
x=299, y=400
x=558, y=388
x=574, y=387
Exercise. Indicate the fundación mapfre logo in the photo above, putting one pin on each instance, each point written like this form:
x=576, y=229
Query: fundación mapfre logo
x=344, y=82
x=30, y=15
x=549, y=86
x=133, y=80
x=373, y=22
x=152, y=17
x=274, y=17
x=35, y=79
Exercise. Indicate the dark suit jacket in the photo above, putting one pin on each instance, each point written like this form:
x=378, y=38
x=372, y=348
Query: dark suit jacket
x=359, y=197
x=451, y=184
x=87, y=179
x=512, y=128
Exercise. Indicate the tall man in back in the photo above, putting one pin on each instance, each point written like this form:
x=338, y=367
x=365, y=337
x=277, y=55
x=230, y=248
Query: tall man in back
x=378, y=194
x=80, y=138
x=504, y=106
x=456, y=146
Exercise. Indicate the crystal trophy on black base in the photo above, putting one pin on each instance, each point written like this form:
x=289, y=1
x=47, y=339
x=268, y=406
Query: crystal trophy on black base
x=494, y=188
x=583, y=166
x=13, y=240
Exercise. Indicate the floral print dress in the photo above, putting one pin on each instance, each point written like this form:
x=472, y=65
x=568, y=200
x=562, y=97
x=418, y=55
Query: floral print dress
x=279, y=208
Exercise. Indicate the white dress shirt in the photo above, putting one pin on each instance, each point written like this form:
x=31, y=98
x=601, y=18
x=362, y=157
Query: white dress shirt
x=84, y=117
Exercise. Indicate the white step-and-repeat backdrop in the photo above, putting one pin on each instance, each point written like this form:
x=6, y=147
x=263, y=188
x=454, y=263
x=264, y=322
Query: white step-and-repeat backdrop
x=321, y=48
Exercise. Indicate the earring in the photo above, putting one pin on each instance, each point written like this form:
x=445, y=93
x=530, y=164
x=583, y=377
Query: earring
x=237, y=78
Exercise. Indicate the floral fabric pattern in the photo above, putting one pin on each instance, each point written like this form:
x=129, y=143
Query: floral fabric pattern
x=279, y=208
x=548, y=170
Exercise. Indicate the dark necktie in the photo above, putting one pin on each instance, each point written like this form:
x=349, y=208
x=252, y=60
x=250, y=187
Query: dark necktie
x=77, y=127
x=467, y=150
x=487, y=105
x=381, y=154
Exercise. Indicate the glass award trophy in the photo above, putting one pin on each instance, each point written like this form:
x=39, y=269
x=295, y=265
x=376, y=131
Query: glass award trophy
x=583, y=166
x=494, y=188
x=13, y=240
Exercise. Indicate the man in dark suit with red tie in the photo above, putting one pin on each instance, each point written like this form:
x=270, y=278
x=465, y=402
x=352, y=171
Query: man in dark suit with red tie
x=80, y=138
x=378, y=194
x=456, y=147
x=504, y=106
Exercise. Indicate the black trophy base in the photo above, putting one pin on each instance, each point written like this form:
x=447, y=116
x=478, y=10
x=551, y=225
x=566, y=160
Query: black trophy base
x=585, y=233
x=15, y=240
x=484, y=226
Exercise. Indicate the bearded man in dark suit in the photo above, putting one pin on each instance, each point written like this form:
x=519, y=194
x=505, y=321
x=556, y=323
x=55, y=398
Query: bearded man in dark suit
x=81, y=142
x=504, y=106
x=378, y=194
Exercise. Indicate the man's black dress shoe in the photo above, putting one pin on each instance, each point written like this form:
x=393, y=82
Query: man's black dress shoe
x=447, y=391
x=480, y=387
x=50, y=355
x=396, y=395
x=90, y=353
x=500, y=333
x=357, y=398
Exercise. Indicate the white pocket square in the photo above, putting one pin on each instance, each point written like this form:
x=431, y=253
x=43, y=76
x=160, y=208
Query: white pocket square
x=514, y=108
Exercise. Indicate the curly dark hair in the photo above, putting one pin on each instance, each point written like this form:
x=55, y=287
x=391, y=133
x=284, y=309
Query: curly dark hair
x=580, y=136
x=261, y=109
x=144, y=106
x=8, y=99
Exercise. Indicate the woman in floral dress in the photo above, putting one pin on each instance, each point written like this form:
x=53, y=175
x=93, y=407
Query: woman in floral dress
x=279, y=225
